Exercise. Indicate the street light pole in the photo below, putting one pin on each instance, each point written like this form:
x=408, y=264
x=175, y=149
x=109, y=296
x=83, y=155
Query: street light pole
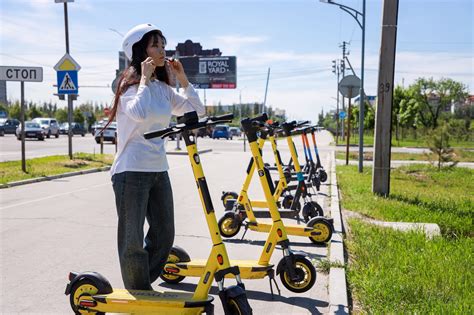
x=355, y=14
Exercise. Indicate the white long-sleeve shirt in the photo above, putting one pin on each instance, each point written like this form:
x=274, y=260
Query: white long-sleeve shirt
x=145, y=108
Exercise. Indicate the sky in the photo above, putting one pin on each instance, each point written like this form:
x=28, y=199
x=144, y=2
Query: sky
x=296, y=39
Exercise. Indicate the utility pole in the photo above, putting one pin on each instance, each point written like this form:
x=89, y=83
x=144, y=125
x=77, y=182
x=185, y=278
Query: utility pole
x=266, y=90
x=362, y=96
x=383, y=118
x=336, y=70
x=343, y=70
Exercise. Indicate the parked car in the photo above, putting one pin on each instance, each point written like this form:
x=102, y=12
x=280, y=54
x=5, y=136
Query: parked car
x=32, y=130
x=235, y=131
x=77, y=129
x=49, y=125
x=221, y=131
x=109, y=134
x=9, y=125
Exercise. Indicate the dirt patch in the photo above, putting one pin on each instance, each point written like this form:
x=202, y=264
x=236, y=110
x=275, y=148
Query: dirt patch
x=76, y=163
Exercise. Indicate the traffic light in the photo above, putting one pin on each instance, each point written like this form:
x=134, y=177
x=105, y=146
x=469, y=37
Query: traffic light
x=343, y=66
x=334, y=66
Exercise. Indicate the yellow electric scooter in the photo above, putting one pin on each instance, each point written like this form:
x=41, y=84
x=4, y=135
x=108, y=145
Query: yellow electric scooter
x=240, y=211
x=290, y=203
x=91, y=293
x=296, y=271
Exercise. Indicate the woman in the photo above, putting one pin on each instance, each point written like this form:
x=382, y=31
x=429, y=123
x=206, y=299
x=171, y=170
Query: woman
x=145, y=101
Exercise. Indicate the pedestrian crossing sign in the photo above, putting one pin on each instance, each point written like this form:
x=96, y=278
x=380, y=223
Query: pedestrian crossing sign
x=67, y=82
x=67, y=69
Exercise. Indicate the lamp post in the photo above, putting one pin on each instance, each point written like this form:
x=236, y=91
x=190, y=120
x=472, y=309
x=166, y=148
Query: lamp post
x=240, y=110
x=355, y=14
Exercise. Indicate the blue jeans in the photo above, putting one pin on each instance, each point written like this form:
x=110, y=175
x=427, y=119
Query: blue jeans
x=140, y=195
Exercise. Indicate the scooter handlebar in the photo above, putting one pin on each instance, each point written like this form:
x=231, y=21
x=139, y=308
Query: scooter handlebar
x=203, y=122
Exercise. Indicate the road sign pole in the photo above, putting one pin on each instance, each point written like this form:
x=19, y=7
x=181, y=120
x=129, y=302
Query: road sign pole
x=69, y=119
x=348, y=126
x=22, y=119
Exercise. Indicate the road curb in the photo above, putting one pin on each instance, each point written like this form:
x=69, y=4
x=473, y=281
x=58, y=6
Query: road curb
x=338, y=300
x=46, y=178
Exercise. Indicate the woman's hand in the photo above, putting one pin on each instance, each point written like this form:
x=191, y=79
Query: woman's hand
x=177, y=69
x=148, y=67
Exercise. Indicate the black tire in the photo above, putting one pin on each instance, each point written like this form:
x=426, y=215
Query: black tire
x=324, y=227
x=97, y=141
x=82, y=135
x=80, y=288
x=41, y=138
x=56, y=135
x=239, y=305
x=323, y=176
x=175, y=256
x=229, y=226
x=311, y=210
x=228, y=195
x=49, y=134
x=306, y=272
x=287, y=202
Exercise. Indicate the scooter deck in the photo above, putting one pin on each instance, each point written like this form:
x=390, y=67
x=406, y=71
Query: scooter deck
x=284, y=213
x=291, y=229
x=148, y=302
x=249, y=269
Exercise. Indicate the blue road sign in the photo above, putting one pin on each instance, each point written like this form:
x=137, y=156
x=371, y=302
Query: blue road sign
x=342, y=115
x=67, y=82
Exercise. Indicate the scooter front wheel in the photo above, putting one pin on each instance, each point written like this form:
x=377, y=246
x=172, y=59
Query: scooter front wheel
x=323, y=176
x=229, y=225
x=323, y=228
x=239, y=305
x=83, y=287
x=306, y=276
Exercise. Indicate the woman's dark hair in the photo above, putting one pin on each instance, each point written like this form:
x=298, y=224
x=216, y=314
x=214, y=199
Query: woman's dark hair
x=133, y=73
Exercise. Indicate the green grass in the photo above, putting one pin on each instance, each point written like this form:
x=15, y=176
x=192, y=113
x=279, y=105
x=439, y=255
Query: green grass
x=51, y=165
x=461, y=156
x=395, y=272
x=419, y=142
x=392, y=272
x=418, y=193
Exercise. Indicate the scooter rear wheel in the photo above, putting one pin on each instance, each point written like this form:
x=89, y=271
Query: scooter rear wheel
x=83, y=287
x=167, y=277
x=306, y=276
x=229, y=225
x=228, y=195
x=311, y=210
x=323, y=176
x=322, y=226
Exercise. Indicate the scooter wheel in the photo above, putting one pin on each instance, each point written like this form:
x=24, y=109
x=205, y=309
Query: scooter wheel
x=287, y=202
x=306, y=276
x=323, y=176
x=323, y=227
x=311, y=210
x=229, y=225
x=83, y=287
x=239, y=305
x=228, y=195
x=173, y=257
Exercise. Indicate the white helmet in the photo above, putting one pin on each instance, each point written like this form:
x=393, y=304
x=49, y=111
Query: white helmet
x=134, y=36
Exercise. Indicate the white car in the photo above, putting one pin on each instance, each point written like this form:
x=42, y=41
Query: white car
x=49, y=125
x=109, y=134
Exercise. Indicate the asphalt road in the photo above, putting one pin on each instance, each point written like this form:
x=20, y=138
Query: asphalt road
x=51, y=228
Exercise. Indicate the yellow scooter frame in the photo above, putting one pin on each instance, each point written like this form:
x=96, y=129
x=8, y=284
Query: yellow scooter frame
x=91, y=293
x=318, y=229
x=297, y=273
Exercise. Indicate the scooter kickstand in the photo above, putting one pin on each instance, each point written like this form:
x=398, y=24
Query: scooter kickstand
x=245, y=232
x=271, y=277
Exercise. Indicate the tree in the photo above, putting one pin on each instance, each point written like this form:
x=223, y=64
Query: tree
x=321, y=118
x=61, y=115
x=438, y=143
x=78, y=116
x=15, y=111
x=428, y=98
x=34, y=112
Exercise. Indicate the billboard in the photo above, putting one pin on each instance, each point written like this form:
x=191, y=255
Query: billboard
x=211, y=72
